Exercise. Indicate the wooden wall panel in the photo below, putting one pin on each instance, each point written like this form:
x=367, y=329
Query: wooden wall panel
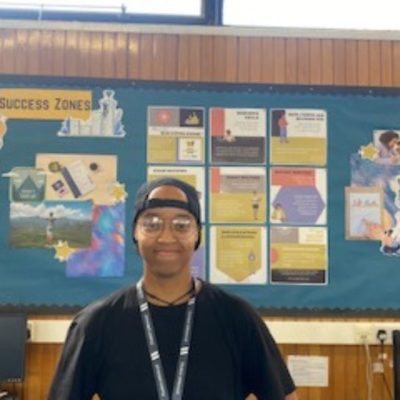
x=109, y=55
x=315, y=67
x=21, y=62
x=146, y=57
x=279, y=59
x=291, y=58
x=133, y=56
x=71, y=56
x=9, y=51
x=46, y=53
x=267, y=60
x=184, y=58
x=219, y=58
x=171, y=57
x=327, y=62
x=255, y=58
x=121, y=56
x=374, y=62
x=386, y=62
x=58, y=53
x=363, y=63
x=339, y=62
x=206, y=58
x=84, y=59
x=351, y=62
x=231, y=55
x=244, y=59
x=303, y=68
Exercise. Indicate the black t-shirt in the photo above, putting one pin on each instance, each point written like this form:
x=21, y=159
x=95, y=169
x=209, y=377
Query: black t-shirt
x=231, y=355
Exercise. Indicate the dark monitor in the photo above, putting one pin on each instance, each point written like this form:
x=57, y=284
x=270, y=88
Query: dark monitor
x=396, y=363
x=13, y=337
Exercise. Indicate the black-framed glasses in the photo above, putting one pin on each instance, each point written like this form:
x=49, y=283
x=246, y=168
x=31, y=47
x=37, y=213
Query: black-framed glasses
x=181, y=226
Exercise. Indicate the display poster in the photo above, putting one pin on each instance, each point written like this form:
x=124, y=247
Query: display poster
x=298, y=255
x=364, y=211
x=192, y=175
x=237, y=194
x=175, y=135
x=298, y=196
x=237, y=135
x=238, y=254
x=298, y=137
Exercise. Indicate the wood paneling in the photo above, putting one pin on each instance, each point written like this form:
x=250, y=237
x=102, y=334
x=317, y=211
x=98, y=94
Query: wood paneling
x=347, y=372
x=171, y=57
x=154, y=56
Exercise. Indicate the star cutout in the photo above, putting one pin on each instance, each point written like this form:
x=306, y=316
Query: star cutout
x=369, y=152
x=118, y=192
x=63, y=251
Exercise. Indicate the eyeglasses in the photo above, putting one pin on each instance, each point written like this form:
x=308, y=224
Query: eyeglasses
x=181, y=226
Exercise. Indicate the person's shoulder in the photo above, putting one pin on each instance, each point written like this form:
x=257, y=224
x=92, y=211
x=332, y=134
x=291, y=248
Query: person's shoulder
x=101, y=309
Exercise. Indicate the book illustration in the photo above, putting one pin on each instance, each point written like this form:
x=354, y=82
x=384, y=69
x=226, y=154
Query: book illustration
x=77, y=178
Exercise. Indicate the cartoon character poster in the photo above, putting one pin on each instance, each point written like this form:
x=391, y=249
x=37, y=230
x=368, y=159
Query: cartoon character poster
x=375, y=181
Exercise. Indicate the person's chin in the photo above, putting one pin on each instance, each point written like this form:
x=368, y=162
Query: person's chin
x=167, y=270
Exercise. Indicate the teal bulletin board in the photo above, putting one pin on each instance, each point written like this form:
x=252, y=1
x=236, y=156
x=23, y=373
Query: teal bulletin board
x=68, y=175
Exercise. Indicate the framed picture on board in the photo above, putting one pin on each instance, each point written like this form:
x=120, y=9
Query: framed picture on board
x=364, y=211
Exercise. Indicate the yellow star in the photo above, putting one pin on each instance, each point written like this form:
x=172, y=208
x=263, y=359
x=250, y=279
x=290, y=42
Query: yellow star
x=118, y=192
x=369, y=152
x=63, y=251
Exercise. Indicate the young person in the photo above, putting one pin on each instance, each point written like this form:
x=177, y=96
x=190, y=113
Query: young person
x=170, y=336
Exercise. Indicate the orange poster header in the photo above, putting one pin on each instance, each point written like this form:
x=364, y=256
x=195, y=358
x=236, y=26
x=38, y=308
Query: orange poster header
x=45, y=104
x=292, y=177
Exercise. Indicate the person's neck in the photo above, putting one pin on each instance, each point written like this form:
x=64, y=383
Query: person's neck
x=166, y=291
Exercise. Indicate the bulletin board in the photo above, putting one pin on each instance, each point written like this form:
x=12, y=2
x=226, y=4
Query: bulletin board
x=313, y=164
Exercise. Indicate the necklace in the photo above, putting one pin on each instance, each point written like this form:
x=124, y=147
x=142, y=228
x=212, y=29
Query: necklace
x=190, y=292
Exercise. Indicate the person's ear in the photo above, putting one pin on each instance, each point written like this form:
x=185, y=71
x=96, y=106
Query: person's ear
x=134, y=235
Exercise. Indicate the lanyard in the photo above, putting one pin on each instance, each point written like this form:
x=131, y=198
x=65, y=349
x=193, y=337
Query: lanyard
x=152, y=346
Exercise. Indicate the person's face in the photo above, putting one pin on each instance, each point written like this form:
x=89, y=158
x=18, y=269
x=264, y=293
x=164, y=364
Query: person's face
x=393, y=143
x=166, y=236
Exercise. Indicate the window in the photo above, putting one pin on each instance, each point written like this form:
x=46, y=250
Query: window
x=187, y=11
x=339, y=14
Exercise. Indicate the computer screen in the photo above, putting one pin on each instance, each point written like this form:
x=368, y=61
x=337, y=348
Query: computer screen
x=13, y=337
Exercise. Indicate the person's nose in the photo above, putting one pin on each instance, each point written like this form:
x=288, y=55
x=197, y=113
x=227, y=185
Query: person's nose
x=166, y=234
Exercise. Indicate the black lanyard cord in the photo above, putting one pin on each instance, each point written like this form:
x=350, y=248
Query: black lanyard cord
x=152, y=346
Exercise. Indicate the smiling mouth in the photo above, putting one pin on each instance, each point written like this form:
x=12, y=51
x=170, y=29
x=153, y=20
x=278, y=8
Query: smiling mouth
x=166, y=252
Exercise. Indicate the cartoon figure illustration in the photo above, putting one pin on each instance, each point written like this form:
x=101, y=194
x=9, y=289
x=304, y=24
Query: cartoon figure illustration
x=255, y=204
x=278, y=214
x=389, y=238
x=228, y=136
x=388, y=148
x=50, y=228
x=282, y=124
